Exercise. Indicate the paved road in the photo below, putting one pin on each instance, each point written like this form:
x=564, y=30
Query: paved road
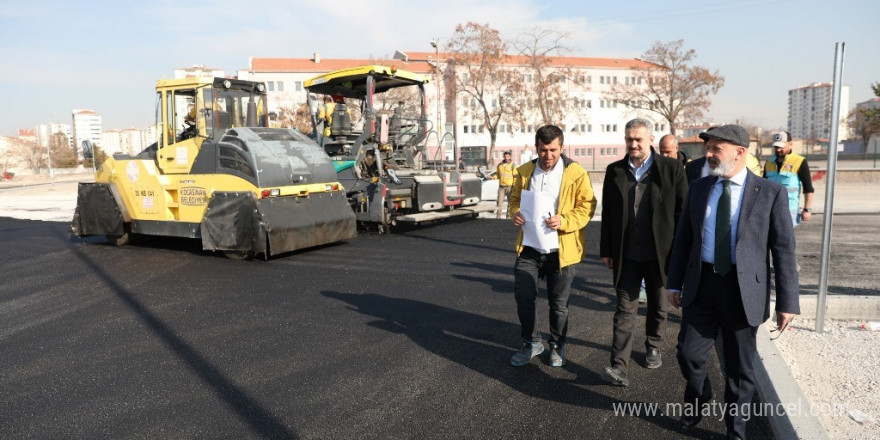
x=399, y=336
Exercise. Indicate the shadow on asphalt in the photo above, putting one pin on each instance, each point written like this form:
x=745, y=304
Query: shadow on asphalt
x=249, y=410
x=475, y=342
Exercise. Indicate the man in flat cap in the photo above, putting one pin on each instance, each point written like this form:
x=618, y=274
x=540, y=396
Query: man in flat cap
x=791, y=171
x=719, y=273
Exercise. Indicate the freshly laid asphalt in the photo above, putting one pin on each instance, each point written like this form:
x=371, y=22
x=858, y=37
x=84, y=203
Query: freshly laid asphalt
x=400, y=336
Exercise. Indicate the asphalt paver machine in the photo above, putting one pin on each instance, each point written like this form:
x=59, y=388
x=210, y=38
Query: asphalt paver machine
x=380, y=154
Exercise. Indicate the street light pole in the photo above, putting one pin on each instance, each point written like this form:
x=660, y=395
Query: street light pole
x=436, y=47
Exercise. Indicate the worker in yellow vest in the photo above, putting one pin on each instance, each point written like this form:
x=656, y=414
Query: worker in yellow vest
x=791, y=171
x=504, y=174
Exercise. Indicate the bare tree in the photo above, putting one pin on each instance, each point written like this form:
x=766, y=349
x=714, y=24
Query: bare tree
x=29, y=154
x=677, y=90
x=297, y=117
x=62, y=154
x=488, y=88
x=546, y=84
x=865, y=122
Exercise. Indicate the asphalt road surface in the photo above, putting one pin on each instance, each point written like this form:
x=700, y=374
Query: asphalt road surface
x=401, y=336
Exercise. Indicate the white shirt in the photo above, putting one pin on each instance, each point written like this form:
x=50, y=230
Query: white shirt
x=640, y=171
x=737, y=182
x=550, y=183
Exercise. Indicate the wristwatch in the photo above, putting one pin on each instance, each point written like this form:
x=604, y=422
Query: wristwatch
x=807, y=210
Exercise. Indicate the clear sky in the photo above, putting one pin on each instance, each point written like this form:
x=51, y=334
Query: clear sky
x=106, y=55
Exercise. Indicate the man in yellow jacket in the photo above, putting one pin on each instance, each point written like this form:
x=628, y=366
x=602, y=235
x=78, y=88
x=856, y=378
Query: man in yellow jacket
x=504, y=174
x=568, y=185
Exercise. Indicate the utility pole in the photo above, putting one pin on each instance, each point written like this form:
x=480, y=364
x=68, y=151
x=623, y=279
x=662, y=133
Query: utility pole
x=439, y=129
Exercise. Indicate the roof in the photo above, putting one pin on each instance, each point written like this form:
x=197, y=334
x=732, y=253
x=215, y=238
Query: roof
x=328, y=65
x=418, y=62
x=351, y=82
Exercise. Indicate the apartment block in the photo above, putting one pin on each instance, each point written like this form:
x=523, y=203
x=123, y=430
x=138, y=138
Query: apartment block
x=86, y=126
x=809, y=112
x=46, y=130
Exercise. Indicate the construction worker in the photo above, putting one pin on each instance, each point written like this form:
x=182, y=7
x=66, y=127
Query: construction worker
x=504, y=174
x=325, y=114
x=791, y=171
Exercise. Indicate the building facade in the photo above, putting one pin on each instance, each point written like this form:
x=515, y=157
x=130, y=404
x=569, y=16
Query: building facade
x=47, y=130
x=593, y=134
x=809, y=112
x=86, y=126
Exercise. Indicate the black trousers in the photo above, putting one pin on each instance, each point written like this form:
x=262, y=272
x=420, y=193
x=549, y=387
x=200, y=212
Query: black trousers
x=718, y=307
x=530, y=266
x=625, y=317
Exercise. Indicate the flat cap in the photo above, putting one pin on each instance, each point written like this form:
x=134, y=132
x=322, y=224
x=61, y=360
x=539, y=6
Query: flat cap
x=728, y=133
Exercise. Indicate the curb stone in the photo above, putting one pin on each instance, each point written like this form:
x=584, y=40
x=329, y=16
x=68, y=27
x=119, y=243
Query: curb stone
x=776, y=386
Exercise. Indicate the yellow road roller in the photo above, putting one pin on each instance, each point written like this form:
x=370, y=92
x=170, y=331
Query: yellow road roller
x=218, y=173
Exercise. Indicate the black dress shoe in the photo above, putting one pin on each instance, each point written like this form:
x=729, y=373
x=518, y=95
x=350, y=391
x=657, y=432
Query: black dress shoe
x=689, y=421
x=653, y=359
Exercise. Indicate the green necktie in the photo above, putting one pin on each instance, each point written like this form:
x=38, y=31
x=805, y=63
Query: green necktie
x=722, y=232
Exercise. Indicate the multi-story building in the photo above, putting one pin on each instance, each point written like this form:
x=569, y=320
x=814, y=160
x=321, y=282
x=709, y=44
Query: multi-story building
x=86, y=126
x=593, y=135
x=809, y=112
x=47, y=130
x=133, y=140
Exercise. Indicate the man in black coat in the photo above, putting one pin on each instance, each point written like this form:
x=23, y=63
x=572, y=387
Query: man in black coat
x=719, y=274
x=642, y=197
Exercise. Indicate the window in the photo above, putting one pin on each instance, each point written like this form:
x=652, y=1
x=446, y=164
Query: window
x=280, y=86
x=270, y=85
x=589, y=128
x=298, y=85
x=589, y=79
x=473, y=129
x=589, y=103
x=615, y=80
x=465, y=129
x=601, y=80
x=590, y=152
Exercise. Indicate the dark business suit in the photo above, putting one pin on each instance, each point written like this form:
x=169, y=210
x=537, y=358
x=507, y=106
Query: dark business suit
x=639, y=241
x=694, y=169
x=739, y=302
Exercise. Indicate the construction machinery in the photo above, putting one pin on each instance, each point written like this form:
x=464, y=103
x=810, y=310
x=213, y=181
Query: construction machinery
x=217, y=173
x=379, y=152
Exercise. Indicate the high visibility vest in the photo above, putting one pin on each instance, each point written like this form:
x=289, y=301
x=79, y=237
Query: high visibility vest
x=787, y=176
x=505, y=174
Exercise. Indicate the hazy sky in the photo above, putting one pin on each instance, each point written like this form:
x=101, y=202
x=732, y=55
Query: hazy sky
x=106, y=55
